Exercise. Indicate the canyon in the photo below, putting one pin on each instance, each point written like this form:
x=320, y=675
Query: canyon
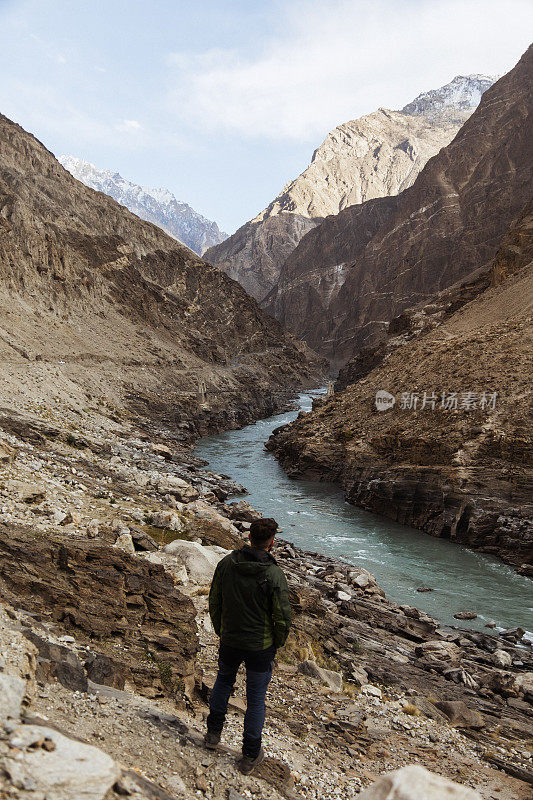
x=102, y=310
x=348, y=277
x=379, y=154
x=439, y=455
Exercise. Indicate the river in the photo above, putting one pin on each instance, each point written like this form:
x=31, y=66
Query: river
x=315, y=516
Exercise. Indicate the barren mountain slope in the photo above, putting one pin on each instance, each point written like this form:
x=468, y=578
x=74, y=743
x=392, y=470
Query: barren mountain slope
x=348, y=277
x=154, y=205
x=459, y=472
x=376, y=155
x=97, y=303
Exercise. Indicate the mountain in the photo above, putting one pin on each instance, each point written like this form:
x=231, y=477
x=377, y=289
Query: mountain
x=348, y=277
x=459, y=469
x=154, y=205
x=99, y=306
x=377, y=155
x=461, y=94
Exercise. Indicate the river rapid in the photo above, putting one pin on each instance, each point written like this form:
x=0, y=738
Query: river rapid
x=315, y=516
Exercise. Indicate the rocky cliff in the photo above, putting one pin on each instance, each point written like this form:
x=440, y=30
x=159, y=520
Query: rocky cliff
x=377, y=155
x=153, y=205
x=99, y=308
x=356, y=271
x=449, y=449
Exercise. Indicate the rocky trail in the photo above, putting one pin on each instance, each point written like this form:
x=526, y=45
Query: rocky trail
x=109, y=536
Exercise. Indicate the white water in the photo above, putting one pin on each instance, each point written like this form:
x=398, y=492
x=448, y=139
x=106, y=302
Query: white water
x=315, y=516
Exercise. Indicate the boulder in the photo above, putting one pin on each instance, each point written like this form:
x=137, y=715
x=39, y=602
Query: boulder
x=170, y=564
x=58, y=661
x=244, y=512
x=12, y=691
x=162, y=450
x=326, y=676
x=359, y=676
x=524, y=682
x=344, y=597
x=125, y=543
x=416, y=783
x=199, y=561
x=168, y=520
x=7, y=454
x=437, y=650
x=142, y=541
x=465, y=615
x=503, y=683
x=501, y=658
x=362, y=580
x=58, y=767
x=460, y=715
x=371, y=691
x=171, y=484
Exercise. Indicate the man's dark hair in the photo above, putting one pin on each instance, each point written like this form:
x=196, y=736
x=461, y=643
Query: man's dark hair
x=262, y=530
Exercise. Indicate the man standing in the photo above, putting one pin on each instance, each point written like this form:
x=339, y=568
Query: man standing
x=250, y=611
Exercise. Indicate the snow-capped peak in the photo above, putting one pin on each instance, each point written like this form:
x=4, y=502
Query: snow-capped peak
x=154, y=205
x=462, y=93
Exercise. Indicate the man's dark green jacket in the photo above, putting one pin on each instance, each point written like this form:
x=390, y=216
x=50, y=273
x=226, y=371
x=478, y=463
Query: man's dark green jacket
x=249, y=600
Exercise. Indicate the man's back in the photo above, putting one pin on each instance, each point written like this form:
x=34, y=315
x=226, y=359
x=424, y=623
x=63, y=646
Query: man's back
x=249, y=600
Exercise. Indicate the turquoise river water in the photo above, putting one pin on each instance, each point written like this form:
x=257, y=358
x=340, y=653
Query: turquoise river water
x=315, y=516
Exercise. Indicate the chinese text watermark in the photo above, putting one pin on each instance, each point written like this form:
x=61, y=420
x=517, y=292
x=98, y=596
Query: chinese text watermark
x=441, y=401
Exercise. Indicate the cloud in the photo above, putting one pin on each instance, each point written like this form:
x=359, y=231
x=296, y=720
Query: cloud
x=328, y=63
x=129, y=125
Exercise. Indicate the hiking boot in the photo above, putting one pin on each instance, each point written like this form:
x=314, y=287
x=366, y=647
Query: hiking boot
x=211, y=740
x=246, y=764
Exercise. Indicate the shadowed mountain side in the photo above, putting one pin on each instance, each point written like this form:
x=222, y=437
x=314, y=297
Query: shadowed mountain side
x=96, y=302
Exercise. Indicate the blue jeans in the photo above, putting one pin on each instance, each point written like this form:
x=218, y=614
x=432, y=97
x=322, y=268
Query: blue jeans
x=258, y=674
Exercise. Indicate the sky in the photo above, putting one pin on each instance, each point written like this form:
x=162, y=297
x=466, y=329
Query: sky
x=224, y=102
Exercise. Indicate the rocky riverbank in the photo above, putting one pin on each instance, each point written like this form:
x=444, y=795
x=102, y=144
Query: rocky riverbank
x=449, y=452
x=109, y=535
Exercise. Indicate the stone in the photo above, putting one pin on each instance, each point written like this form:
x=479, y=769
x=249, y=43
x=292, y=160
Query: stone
x=465, y=615
x=199, y=561
x=12, y=691
x=330, y=678
x=58, y=661
x=371, y=691
x=170, y=564
x=501, y=658
x=142, y=541
x=176, y=785
x=177, y=487
x=359, y=676
x=168, y=520
x=244, y=512
x=460, y=715
x=362, y=580
x=107, y=596
x=72, y=517
x=438, y=650
x=162, y=450
x=125, y=543
x=524, y=682
x=503, y=683
x=7, y=454
x=93, y=528
x=416, y=783
x=71, y=769
x=344, y=596
x=513, y=634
